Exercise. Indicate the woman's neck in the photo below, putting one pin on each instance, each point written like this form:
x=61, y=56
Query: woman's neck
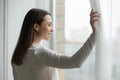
x=37, y=40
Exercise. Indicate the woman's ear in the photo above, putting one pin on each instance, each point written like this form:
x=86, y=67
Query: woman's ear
x=36, y=27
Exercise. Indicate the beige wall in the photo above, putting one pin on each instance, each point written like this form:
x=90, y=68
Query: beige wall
x=60, y=37
x=60, y=25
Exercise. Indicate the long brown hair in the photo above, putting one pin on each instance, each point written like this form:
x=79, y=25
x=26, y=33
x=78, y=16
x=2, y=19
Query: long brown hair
x=27, y=34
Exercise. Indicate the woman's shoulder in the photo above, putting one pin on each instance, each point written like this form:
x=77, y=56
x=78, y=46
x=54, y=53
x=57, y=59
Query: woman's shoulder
x=40, y=50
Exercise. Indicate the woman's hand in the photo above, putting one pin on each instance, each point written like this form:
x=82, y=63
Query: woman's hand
x=94, y=17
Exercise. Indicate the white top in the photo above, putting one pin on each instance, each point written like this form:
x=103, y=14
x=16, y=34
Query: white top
x=40, y=63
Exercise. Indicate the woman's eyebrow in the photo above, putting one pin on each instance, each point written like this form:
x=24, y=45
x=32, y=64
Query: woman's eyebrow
x=50, y=22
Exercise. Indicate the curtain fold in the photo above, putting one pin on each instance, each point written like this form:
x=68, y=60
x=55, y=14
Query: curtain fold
x=103, y=39
x=43, y=4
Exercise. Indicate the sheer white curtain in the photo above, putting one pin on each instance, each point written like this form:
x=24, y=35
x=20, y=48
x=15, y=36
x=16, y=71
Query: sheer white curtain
x=43, y=4
x=116, y=40
x=108, y=41
x=1, y=39
x=103, y=39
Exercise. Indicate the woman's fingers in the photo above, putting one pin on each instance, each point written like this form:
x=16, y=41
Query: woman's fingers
x=94, y=17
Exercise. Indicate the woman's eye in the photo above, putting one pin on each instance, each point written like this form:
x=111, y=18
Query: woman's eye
x=49, y=24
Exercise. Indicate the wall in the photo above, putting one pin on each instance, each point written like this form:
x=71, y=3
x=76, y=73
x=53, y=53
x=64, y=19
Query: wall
x=59, y=29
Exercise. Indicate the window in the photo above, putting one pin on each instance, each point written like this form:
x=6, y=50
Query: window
x=72, y=19
x=77, y=30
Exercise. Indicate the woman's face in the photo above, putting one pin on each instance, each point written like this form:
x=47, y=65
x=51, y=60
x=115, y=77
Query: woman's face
x=46, y=28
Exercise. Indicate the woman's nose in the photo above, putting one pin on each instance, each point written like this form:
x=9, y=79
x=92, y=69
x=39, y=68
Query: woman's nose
x=52, y=29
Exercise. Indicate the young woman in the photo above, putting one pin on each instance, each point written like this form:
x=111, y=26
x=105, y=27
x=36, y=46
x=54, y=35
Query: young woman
x=31, y=61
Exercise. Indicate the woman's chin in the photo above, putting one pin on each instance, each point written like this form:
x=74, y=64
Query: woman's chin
x=47, y=39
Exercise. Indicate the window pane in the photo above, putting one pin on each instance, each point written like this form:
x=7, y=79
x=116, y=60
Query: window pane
x=77, y=30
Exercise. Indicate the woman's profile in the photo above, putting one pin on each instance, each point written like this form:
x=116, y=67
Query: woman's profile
x=32, y=61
